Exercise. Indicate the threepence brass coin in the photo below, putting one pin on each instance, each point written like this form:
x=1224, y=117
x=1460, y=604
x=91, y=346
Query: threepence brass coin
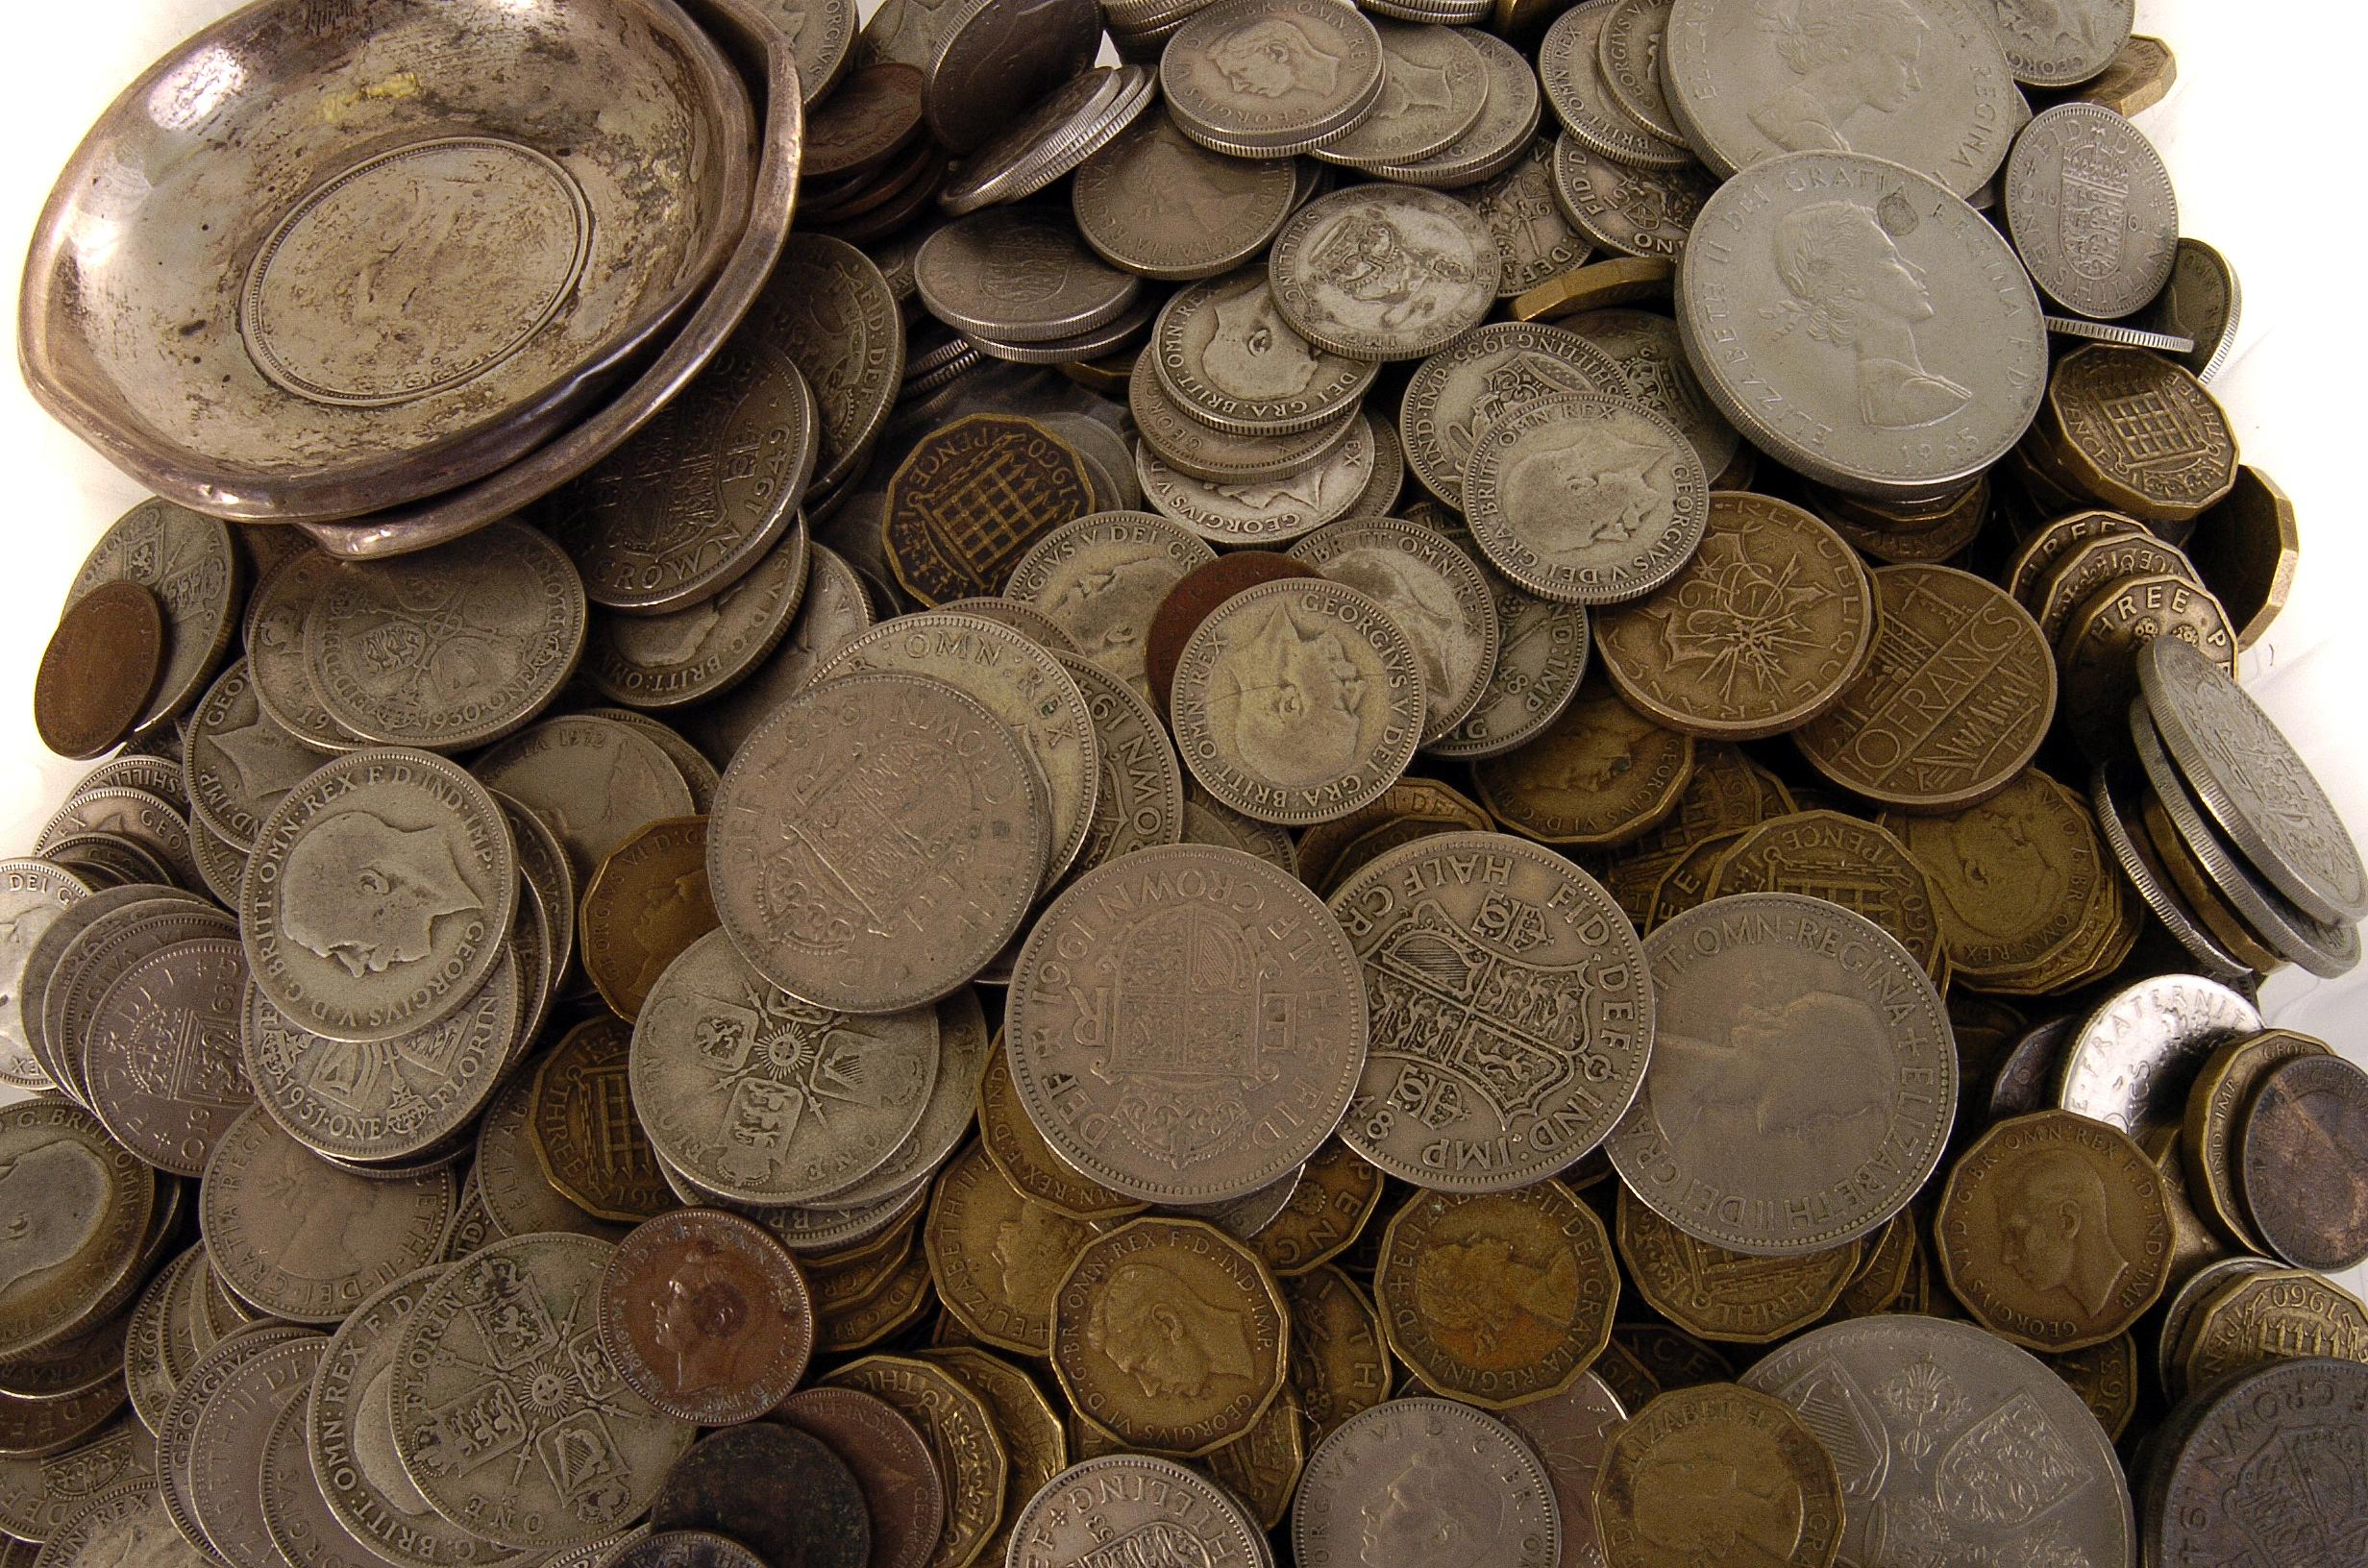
x=1262, y=1467
x=1497, y=1299
x=2216, y=1104
x=516, y=1194
x=2166, y=479
x=1037, y=1447
x=998, y=1256
x=2053, y=1231
x=585, y=1131
x=1169, y=1334
x=1426, y=1480
x=1714, y=1465
x=970, y=1454
x=1719, y=1295
x=1026, y=1161
x=1449, y=930
x=1832, y=855
x=973, y=497
x=1339, y=1359
x=86, y=1202
x=903, y=1495
x=2301, y=1163
x=2268, y=1316
x=648, y=902
x=1328, y=1212
x=98, y=669
x=707, y=1316
x=1597, y=776
x=2105, y=1378
x=1802, y=1080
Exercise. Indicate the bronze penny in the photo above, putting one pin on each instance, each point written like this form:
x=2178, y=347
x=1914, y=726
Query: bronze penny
x=646, y=902
x=2217, y=1101
x=962, y=1440
x=903, y=1493
x=971, y=497
x=2302, y=1162
x=586, y=1134
x=707, y=1316
x=1195, y=596
x=2105, y=1378
x=866, y=120
x=783, y=1494
x=98, y=669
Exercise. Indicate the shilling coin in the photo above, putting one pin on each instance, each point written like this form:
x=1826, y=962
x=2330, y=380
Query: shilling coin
x=1646, y=212
x=1457, y=394
x=1062, y=130
x=707, y=1316
x=1923, y=83
x=1953, y=702
x=1137, y=1502
x=970, y=1455
x=449, y=647
x=1434, y=86
x=1102, y=578
x=223, y=1487
x=1884, y=1390
x=1520, y=920
x=301, y=1240
x=336, y=956
x=586, y=1134
x=1152, y=1283
x=190, y=564
x=2108, y=271
x=1731, y=1296
x=237, y=760
x=1598, y=775
x=1223, y=353
x=1501, y=1298
x=34, y=895
x=2194, y=1505
x=902, y=1492
x=1297, y=702
x=1261, y=512
x=1767, y=1099
x=1156, y=203
x=38, y=1496
x=100, y=664
x=2053, y=1231
x=997, y=1255
x=834, y=610
x=661, y=662
x=1383, y=272
x=1569, y=66
x=695, y=499
x=275, y=644
x=2202, y=302
x=973, y=496
x=1534, y=240
x=1263, y=78
x=86, y=1202
x=1584, y=499
x=990, y=58
x=1779, y=319
x=1407, y=1478
x=648, y=901
x=160, y=1058
x=1251, y=1098
x=724, y=1065
x=1028, y=1162
x=2301, y=1163
x=821, y=35
x=1019, y=276
x=160, y=775
x=513, y=1327
x=1435, y=592
x=151, y=825
x=128, y=1523
x=1184, y=443
x=109, y=860
x=1763, y=630
x=1140, y=802
x=1498, y=140
x=772, y=1485
x=594, y=781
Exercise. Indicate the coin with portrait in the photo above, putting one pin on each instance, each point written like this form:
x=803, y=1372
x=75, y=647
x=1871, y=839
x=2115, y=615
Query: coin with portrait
x=997, y=1255
x=1435, y=592
x=707, y=1316
x=1101, y=578
x=1223, y=353
x=1268, y=77
x=1599, y=775
x=1156, y=203
x=1456, y=394
x=1428, y=1481
x=1718, y=1466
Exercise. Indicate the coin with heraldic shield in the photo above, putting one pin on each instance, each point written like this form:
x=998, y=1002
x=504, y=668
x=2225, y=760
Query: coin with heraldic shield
x=160, y=1054
x=1385, y=271
x=1151, y=1510
x=586, y=1134
x=2102, y=260
x=2204, y=1493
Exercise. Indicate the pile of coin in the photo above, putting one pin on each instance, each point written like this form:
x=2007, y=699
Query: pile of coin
x=1271, y=831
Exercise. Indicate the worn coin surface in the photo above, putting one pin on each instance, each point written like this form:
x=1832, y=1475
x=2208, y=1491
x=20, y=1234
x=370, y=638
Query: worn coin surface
x=1714, y=1463
x=1570, y=1431
x=127, y=1524
x=160, y=1057
x=1433, y=590
x=1134, y=1506
x=1802, y=1081
x=224, y=1452
x=1018, y=275
x=903, y=1493
x=1259, y=512
x=1141, y=1294
x=765, y=1099
x=1725, y=1295
x=963, y=1047
x=1434, y=87
x=1541, y=653
x=300, y=1238
x=830, y=311
x=98, y=669
x=1635, y=212
x=2103, y=267
x=34, y=895
x=595, y=781
x=2196, y=1503
x=511, y=1185
x=190, y=564
x=1494, y=145
x=2137, y=1052
x=707, y=1317
x=835, y=609
x=1834, y=855
x=648, y=901
x=1220, y=1040
x=379, y=894
x=146, y=825
x=998, y=1256
x=1921, y=1417
x=584, y=1132
x=666, y=661
x=1028, y=1162
x=970, y=1454
x=2267, y=1315
x=513, y=1330
x=1339, y=1360
x=989, y=59
x=1263, y=78
x=1385, y=271
x=1101, y=579
x=1156, y=203
x=1569, y=68
x=1033, y=1433
x=1227, y=357
x=2012, y=880
x=1534, y=240
x=1600, y=774
x=86, y=1202
x=2302, y=1162
x=238, y=762
x=1410, y=1480
x=39, y=1496
x=1457, y=394
x=274, y=649
x=878, y=840
x=1198, y=450
x=2053, y=1231
x=1629, y=53
x=1140, y=799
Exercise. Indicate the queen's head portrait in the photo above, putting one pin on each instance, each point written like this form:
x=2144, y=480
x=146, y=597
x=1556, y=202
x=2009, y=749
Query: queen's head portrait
x=1795, y=1069
x=1292, y=700
x=1493, y=1307
x=1846, y=284
x=1273, y=58
x=1578, y=487
x=368, y=893
x=1253, y=354
x=52, y=1199
x=1421, y=1516
x=1843, y=57
x=1157, y=1329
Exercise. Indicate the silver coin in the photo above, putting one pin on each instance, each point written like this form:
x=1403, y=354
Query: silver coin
x=40, y=1497
x=159, y=1055
x=2129, y=337
x=275, y=642
x=1534, y=240
x=1262, y=511
x=1917, y=1414
x=127, y=1526
x=1628, y=53
x=379, y=894
x=1158, y=204
x=176, y=1441
x=96, y=957
x=108, y=859
x=53, y=936
x=1541, y=657
x=1436, y=593
x=829, y=307
x=1586, y=499
x=1571, y=1430
x=662, y=662
x=1570, y=71
x=1781, y=319
x=237, y=761
x=1152, y=1510
x=1383, y=271
x=1141, y=802
x=1507, y=126
x=149, y=822
x=296, y=1519
x=2091, y=208
x=1024, y=619
x=822, y=36
x=1019, y=276
x=1455, y=396
x=1209, y=821
x=304, y=1240
x=1395, y=1482
x=1650, y=353
x=963, y=1041
x=1072, y=123
x=449, y=647
x=904, y=32
x=1379, y=497
x=2058, y=45
x=2114, y=789
x=1100, y=444
x=1434, y=87
x=512, y=1183
x=594, y=781
x=1279, y=76
x=157, y=1347
x=1224, y=355
x=1921, y=83
x=1245, y=1217
x=188, y=562
x=767, y=1099
x=2134, y=1055
x=876, y=840
x=991, y=58
x=1523, y=922
x=1102, y=578
x=2203, y=302
x=1646, y=212
x=1202, y=452
x=34, y=895
x=225, y=1495
x=698, y=774
x=542, y=861
x=835, y=610
x=1126, y=330
x=159, y=776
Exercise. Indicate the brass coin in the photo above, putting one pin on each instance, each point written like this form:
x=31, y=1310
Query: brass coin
x=707, y=1316
x=517, y=1195
x=584, y=1132
x=1032, y=1435
x=2216, y=1105
x=1339, y=1357
x=1598, y=777
x=1147, y=1288
x=1261, y=1468
x=1412, y=808
x=1719, y=1295
x=2273, y=1315
x=2301, y=1163
x=896, y=1304
x=2045, y=545
x=1888, y=1274
x=902, y=1491
x=2246, y=549
x=1017, y=1149
x=2194, y=1244
x=646, y=904
x=970, y=1456
x=1846, y=860
x=2053, y=1231
x=1335, y=1197
x=998, y=1256
x=970, y=499
x=2139, y=432
x=1717, y=1464
x=1647, y=1359
x=99, y=667
x=2105, y=1375
x=2097, y=652
x=1497, y=1298
x=1952, y=702
x=1726, y=793
x=1625, y=280
x=2096, y=564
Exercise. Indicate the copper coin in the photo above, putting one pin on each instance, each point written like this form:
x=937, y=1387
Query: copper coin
x=901, y=1488
x=1196, y=595
x=707, y=1317
x=865, y=121
x=782, y=1493
x=2302, y=1162
x=99, y=667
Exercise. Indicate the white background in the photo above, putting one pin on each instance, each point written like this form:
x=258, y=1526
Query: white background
x=2262, y=132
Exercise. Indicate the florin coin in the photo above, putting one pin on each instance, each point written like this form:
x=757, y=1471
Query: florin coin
x=1731, y=1296
x=226, y=1446
x=1435, y=592
x=160, y=1058
x=98, y=669
x=963, y=1047
x=1598, y=775
x=1403, y=1479
x=707, y=1317
x=2104, y=271
x=149, y=826
x=188, y=563
x=87, y=1202
x=662, y=662
x=1263, y=78
x=1158, y=204
x=970, y=1455
x=2301, y=1163
x=903, y=1493
x=1795, y=1098
x=1102, y=578
x=1440, y=256
x=648, y=902
x=1225, y=358
x=1534, y=240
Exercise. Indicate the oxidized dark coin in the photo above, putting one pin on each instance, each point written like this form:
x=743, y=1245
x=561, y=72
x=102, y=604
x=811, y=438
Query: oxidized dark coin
x=783, y=1493
x=868, y=120
x=99, y=667
x=2302, y=1162
x=707, y=1316
x=1197, y=594
x=973, y=497
x=687, y=1549
x=891, y=1461
x=2241, y=1458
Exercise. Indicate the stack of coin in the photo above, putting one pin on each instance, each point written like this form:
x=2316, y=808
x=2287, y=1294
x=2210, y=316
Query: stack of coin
x=1269, y=831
